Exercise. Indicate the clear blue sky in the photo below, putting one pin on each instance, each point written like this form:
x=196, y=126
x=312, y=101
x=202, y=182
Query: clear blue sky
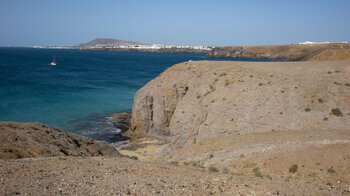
x=243, y=22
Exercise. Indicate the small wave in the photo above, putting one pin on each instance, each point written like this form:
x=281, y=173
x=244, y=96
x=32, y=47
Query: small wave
x=116, y=131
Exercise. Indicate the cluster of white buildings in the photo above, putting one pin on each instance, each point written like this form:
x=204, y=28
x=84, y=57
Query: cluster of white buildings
x=129, y=46
x=53, y=47
x=156, y=47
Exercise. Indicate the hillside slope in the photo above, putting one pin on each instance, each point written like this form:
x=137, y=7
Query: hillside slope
x=342, y=54
x=297, y=52
x=23, y=140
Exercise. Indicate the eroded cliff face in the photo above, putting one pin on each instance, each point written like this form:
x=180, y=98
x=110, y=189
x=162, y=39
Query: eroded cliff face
x=298, y=52
x=157, y=101
x=193, y=101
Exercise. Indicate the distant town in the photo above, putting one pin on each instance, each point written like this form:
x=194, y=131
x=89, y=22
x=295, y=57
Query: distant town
x=153, y=46
x=102, y=43
x=123, y=45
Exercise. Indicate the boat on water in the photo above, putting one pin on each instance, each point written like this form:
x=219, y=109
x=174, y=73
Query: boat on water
x=54, y=61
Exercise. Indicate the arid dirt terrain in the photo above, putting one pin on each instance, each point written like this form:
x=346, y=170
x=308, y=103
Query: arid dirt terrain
x=293, y=52
x=322, y=168
x=203, y=128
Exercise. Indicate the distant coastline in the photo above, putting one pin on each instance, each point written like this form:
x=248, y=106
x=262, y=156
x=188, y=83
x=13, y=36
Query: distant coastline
x=171, y=50
x=108, y=44
x=295, y=52
x=301, y=51
x=161, y=50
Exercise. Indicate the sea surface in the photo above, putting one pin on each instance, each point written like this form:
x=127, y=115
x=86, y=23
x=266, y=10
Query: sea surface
x=84, y=87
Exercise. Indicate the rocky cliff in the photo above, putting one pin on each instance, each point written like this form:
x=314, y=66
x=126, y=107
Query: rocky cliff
x=298, y=52
x=193, y=101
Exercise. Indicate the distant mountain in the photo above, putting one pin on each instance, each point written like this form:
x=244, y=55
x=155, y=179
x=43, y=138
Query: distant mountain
x=103, y=42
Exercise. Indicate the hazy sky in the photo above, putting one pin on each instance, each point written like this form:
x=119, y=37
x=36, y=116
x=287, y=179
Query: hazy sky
x=220, y=22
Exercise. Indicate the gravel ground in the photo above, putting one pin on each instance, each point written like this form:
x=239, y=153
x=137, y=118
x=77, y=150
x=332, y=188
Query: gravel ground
x=124, y=176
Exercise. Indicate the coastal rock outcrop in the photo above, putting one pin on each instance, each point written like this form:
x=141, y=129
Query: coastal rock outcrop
x=154, y=107
x=193, y=101
x=23, y=140
x=296, y=52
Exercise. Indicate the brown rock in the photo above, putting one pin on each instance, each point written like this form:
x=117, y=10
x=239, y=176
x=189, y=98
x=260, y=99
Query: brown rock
x=186, y=101
x=22, y=140
x=122, y=120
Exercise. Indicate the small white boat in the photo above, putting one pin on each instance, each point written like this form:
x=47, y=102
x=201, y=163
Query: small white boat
x=54, y=61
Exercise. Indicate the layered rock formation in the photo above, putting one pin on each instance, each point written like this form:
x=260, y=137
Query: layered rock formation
x=298, y=52
x=193, y=101
x=22, y=140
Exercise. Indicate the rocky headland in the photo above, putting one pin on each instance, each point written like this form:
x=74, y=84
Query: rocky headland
x=294, y=52
x=194, y=101
x=251, y=118
x=203, y=128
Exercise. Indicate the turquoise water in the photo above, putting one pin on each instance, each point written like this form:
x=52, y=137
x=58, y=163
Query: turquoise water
x=84, y=87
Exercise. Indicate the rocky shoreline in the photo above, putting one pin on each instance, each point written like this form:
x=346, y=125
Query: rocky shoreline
x=201, y=128
x=296, y=52
x=25, y=140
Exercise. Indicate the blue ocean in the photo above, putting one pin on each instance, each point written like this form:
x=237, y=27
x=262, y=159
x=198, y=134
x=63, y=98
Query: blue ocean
x=83, y=88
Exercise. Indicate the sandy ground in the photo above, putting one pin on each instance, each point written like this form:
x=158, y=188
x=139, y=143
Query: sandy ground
x=144, y=149
x=122, y=176
x=276, y=163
